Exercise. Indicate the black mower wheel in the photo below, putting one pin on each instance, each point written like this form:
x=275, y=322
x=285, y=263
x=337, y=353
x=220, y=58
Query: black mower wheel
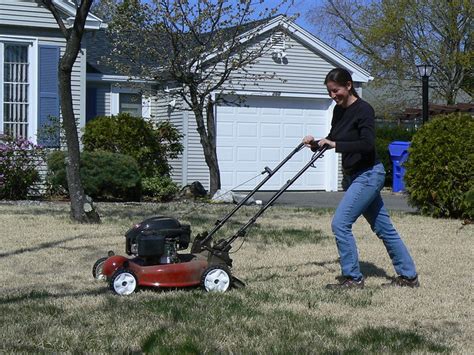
x=123, y=282
x=216, y=278
x=97, y=269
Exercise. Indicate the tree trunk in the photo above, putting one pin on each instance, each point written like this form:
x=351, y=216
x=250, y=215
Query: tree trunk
x=76, y=192
x=208, y=142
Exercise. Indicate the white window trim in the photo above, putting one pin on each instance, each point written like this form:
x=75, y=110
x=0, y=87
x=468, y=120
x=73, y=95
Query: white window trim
x=33, y=82
x=115, y=100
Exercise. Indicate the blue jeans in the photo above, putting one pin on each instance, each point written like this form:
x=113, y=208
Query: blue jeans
x=363, y=198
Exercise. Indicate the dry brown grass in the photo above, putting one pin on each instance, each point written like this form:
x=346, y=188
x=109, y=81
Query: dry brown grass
x=50, y=303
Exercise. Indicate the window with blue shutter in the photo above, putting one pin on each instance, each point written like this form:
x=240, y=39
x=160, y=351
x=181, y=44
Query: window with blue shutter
x=91, y=103
x=48, y=101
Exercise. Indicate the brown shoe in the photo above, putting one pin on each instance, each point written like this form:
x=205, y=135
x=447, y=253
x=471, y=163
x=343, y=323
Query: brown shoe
x=401, y=281
x=346, y=283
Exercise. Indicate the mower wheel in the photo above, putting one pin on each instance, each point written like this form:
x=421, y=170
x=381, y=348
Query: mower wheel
x=123, y=282
x=97, y=269
x=216, y=278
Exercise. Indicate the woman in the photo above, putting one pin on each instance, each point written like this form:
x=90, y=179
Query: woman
x=353, y=134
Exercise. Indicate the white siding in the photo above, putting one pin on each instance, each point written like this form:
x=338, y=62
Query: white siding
x=25, y=13
x=301, y=71
x=160, y=110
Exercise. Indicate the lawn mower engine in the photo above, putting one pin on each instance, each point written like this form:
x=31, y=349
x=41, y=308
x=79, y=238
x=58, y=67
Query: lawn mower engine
x=156, y=240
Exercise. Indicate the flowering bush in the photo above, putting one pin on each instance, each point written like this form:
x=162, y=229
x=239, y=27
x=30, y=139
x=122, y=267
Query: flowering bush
x=19, y=160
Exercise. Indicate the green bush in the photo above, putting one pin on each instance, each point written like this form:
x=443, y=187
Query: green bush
x=19, y=163
x=386, y=135
x=440, y=166
x=149, y=144
x=160, y=188
x=104, y=175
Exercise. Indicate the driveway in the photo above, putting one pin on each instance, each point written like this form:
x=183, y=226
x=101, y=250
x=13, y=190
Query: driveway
x=393, y=201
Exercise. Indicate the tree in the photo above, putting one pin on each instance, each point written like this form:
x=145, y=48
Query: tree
x=391, y=37
x=73, y=38
x=194, y=48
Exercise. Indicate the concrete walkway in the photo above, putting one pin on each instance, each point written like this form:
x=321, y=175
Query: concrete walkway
x=393, y=201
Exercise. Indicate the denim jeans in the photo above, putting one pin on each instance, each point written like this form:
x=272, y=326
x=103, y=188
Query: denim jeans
x=363, y=198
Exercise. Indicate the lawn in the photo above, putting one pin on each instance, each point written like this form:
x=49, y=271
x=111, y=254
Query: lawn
x=50, y=302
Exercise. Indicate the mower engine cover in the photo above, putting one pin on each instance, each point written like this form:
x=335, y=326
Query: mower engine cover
x=148, y=237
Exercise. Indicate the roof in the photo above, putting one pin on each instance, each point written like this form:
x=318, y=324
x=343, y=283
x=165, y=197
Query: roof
x=69, y=8
x=99, y=47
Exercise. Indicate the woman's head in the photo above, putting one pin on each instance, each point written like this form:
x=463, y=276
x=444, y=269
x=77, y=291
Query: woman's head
x=340, y=86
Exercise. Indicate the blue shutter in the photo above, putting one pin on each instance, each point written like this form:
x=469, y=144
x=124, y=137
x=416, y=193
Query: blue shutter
x=91, y=103
x=48, y=102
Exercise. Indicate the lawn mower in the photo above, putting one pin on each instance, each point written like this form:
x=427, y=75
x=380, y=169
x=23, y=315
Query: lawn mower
x=153, y=245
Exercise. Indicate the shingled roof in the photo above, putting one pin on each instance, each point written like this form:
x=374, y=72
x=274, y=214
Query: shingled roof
x=99, y=48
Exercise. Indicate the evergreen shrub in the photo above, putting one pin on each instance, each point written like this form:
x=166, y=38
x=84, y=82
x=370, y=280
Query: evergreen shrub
x=160, y=188
x=151, y=145
x=440, y=168
x=104, y=175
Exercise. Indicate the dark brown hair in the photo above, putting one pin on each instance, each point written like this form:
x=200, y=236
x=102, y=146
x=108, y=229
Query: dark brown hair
x=341, y=76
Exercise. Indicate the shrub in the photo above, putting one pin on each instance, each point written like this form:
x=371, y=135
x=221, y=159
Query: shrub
x=104, y=175
x=440, y=166
x=160, y=188
x=19, y=162
x=386, y=135
x=149, y=144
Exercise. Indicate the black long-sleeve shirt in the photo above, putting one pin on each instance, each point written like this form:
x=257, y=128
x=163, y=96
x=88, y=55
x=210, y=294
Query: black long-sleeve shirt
x=353, y=130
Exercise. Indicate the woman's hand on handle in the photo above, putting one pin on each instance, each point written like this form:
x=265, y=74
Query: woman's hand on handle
x=327, y=142
x=309, y=141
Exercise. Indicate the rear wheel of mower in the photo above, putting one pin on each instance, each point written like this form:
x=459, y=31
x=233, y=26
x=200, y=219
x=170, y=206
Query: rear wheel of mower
x=216, y=278
x=123, y=282
x=97, y=269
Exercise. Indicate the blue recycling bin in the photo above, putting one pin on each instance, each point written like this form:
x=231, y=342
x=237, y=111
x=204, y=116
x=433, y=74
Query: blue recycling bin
x=399, y=154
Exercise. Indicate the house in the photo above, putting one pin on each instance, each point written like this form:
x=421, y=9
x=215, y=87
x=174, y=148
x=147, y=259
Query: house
x=274, y=117
x=30, y=48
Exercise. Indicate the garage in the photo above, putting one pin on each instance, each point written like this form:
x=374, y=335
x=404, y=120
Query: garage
x=262, y=131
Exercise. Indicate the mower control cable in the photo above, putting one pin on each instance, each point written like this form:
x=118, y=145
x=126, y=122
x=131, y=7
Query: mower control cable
x=225, y=244
x=270, y=173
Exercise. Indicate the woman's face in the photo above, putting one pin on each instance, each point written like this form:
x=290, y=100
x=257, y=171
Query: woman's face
x=340, y=93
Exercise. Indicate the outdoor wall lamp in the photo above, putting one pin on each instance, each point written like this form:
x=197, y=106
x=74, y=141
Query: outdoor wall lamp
x=425, y=71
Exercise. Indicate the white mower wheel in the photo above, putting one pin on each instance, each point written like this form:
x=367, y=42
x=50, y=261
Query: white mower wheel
x=97, y=269
x=123, y=282
x=216, y=278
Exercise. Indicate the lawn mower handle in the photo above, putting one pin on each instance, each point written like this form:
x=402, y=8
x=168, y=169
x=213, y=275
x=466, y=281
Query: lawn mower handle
x=224, y=245
x=221, y=222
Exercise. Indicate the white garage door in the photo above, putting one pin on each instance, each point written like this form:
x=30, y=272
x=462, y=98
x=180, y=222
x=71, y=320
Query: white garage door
x=262, y=132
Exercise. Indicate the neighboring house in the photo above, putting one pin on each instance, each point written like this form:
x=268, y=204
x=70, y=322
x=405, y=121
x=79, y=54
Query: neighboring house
x=275, y=116
x=30, y=48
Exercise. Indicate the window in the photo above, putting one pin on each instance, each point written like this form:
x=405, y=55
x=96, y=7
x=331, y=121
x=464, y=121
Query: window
x=130, y=103
x=15, y=84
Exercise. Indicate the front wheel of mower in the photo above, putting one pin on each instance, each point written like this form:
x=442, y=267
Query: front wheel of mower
x=97, y=269
x=216, y=278
x=123, y=282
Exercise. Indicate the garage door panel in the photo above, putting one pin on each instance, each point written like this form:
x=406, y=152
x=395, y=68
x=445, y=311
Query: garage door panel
x=263, y=134
x=270, y=130
x=269, y=154
x=293, y=131
x=226, y=154
x=247, y=129
x=247, y=154
x=226, y=129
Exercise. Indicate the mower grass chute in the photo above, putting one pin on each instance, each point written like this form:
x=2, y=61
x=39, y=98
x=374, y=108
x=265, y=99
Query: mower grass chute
x=152, y=247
